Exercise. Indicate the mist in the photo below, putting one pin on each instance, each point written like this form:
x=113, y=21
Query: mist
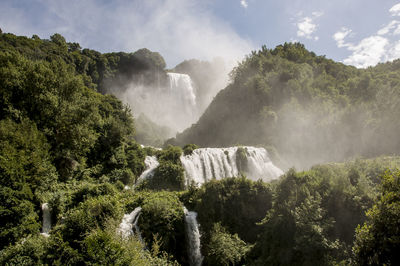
x=174, y=98
x=303, y=113
x=178, y=29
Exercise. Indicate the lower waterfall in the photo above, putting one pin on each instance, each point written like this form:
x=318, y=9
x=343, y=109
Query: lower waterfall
x=46, y=225
x=129, y=221
x=206, y=164
x=193, y=237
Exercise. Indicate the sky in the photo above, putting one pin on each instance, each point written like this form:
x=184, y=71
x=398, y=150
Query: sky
x=356, y=32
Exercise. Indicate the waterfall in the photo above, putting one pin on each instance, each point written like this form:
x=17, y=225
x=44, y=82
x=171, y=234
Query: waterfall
x=181, y=88
x=174, y=104
x=151, y=164
x=129, y=221
x=206, y=164
x=193, y=237
x=46, y=225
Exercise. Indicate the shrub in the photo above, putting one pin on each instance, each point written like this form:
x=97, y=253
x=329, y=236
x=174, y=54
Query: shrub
x=225, y=248
x=162, y=215
x=189, y=148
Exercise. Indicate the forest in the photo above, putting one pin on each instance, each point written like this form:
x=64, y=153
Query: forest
x=67, y=141
x=308, y=108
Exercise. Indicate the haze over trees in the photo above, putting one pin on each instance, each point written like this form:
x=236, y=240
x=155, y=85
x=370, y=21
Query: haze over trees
x=308, y=108
x=66, y=142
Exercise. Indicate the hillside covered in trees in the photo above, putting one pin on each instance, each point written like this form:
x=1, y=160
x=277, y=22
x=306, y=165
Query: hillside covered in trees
x=307, y=108
x=65, y=142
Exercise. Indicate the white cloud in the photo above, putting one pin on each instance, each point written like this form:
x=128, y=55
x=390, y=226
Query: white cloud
x=244, y=3
x=395, y=10
x=373, y=49
x=368, y=52
x=340, y=36
x=388, y=28
x=394, y=52
x=306, y=26
x=317, y=14
x=178, y=29
x=397, y=30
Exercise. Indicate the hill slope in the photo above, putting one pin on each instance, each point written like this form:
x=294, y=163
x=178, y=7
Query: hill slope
x=309, y=108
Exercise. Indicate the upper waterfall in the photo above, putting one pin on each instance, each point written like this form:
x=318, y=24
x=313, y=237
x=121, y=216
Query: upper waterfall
x=173, y=103
x=181, y=86
x=206, y=164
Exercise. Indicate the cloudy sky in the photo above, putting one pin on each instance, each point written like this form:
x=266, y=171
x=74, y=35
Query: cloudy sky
x=357, y=32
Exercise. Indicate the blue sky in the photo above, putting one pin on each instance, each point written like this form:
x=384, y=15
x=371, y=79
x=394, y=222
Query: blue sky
x=356, y=32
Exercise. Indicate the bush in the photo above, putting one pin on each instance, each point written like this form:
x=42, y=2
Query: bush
x=162, y=216
x=91, y=214
x=378, y=240
x=167, y=176
x=238, y=203
x=30, y=251
x=107, y=248
x=172, y=154
x=124, y=175
x=224, y=248
x=189, y=148
x=25, y=172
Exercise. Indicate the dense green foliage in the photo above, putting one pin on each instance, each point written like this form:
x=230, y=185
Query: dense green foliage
x=63, y=143
x=101, y=71
x=169, y=175
x=238, y=204
x=315, y=213
x=311, y=109
x=189, y=148
x=25, y=172
x=224, y=248
x=378, y=240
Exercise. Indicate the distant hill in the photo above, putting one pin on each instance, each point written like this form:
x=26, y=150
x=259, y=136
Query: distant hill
x=308, y=108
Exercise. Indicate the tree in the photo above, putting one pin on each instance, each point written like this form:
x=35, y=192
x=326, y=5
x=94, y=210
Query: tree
x=224, y=248
x=378, y=240
x=296, y=227
x=25, y=169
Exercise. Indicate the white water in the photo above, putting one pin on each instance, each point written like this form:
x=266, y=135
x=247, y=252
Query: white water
x=181, y=88
x=46, y=224
x=193, y=237
x=151, y=164
x=173, y=104
x=216, y=163
x=129, y=221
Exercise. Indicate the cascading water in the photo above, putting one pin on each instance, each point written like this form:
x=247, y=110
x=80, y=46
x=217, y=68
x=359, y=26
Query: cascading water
x=173, y=104
x=46, y=226
x=181, y=88
x=206, y=164
x=151, y=164
x=193, y=237
x=129, y=221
